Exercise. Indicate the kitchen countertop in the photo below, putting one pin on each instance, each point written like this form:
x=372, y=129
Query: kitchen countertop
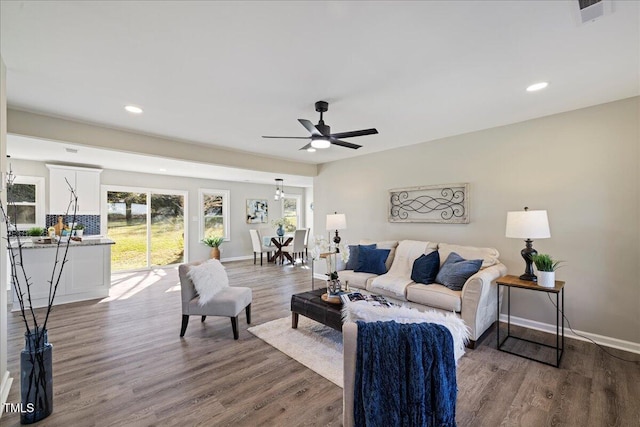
x=28, y=244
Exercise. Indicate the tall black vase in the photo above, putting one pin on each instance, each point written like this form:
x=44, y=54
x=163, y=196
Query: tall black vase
x=36, y=377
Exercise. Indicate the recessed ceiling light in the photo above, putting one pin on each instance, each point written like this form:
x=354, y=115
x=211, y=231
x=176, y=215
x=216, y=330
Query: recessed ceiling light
x=537, y=86
x=133, y=109
x=162, y=170
x=311, y=150
x=71, y=150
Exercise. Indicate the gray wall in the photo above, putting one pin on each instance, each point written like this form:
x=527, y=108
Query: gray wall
x=239, y=244
x=581, y=166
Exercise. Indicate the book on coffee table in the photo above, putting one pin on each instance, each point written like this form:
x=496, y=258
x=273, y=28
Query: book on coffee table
x=374, y=300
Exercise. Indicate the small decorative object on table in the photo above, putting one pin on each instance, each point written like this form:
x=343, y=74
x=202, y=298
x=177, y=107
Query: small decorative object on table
x=282, y=224
x=546, y=267
x=214, y=242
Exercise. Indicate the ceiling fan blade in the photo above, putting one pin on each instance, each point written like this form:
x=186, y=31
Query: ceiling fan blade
x=353, y=133
x=344, y=143
x=287, y=137
x=310, y=127
x=306, y=147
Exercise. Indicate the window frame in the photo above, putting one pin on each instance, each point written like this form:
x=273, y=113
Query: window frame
x=38, y=181
x=226, y=218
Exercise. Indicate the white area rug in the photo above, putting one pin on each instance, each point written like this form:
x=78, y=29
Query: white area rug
x=316, y=346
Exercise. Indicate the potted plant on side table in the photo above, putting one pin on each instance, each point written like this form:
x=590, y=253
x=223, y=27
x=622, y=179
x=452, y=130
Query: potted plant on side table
x=546, y=267
x=214, y=243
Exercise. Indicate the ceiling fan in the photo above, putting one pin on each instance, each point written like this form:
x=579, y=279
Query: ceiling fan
x=321, y=136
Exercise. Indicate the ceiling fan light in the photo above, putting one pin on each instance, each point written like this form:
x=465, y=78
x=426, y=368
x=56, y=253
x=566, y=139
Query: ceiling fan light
x=320, y=143
x=537, y=86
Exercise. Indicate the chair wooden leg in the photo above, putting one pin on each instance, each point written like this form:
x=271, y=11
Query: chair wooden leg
x=247, y=311
x=254, y=258
x=260, y=258
x=234, y=326
x=185, y=322
x=203, y=317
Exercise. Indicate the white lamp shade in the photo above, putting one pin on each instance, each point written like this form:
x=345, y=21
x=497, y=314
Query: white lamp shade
x=336, y=222
x=528, y=225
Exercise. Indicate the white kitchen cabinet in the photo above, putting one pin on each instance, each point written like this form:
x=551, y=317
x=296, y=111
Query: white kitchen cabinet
x=86, y=183
x=86, y=274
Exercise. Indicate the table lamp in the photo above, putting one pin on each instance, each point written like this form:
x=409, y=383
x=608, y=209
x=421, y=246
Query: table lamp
x=336, y=222
x=528, y=225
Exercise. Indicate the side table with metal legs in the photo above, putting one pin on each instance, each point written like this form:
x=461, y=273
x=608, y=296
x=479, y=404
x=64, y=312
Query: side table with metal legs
x=515, y=282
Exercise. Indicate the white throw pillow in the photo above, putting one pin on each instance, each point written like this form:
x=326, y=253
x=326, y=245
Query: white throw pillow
x=209, y=278
x=362, y=310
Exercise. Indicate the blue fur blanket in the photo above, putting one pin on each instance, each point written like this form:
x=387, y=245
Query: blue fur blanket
x=405, y=375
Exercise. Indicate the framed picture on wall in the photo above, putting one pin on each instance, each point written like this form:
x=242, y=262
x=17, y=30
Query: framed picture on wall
x=257, y=211
x=443, y=203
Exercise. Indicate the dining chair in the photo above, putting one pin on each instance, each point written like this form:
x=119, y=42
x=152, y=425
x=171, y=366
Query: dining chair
x=298, y=245
x=258, y=247
x=306, y=243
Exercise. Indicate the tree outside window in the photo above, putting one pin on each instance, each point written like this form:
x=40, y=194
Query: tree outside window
x=214, y=213
x=25, y=202
x=291, y=212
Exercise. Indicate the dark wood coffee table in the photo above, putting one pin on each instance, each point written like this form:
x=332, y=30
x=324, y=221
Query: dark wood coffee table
x=311, y=305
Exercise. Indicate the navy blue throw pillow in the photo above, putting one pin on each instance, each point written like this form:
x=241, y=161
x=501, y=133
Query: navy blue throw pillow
x=456, y=270
x=425, y=268
x=354, y=251
x=372, y=260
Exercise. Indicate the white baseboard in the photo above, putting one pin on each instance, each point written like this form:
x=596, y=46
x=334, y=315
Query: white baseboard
x=629, y=346
x=5, y=386
x=236, y=258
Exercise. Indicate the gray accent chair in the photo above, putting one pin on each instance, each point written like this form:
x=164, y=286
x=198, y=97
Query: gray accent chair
x=228, y=302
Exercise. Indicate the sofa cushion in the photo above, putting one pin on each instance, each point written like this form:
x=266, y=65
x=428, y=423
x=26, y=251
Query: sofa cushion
x=385, y=244
x=356, y=280
x=372, y=260
x=354, y=251
x=435, y=295
x=489, y=256
x=456, y=270
x=425, y=268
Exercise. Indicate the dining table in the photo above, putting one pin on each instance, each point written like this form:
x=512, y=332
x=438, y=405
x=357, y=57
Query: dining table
x=279, y=242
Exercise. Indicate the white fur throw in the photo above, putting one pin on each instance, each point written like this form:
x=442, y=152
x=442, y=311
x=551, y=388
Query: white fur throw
x=208, y=278
x=398, y=277
x=362, y=310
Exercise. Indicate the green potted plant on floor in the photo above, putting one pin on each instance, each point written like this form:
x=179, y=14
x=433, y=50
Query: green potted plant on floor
x=546, y=267
x=214, y=243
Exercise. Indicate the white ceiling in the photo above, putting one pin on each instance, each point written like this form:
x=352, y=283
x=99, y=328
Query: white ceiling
x=225, y=73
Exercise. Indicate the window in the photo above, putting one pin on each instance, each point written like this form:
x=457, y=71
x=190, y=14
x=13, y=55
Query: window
x=214, y=213
x=291, y=210
x=25, y=198
x=148, y=226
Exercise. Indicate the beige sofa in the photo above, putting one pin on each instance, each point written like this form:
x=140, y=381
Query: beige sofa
x=476, y=303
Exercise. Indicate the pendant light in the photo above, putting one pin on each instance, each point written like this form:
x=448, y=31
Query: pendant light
x=279, y=189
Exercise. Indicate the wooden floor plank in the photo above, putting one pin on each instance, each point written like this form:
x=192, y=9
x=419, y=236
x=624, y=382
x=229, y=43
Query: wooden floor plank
x=121, y=362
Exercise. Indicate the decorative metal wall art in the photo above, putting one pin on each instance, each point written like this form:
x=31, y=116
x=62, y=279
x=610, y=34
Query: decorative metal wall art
x=444, y=203
x=257, y=211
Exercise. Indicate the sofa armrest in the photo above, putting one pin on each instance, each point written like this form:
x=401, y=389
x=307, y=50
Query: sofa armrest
x=350, y=340
x=479, y=302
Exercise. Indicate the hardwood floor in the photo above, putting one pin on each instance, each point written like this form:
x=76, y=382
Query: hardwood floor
x=121, y=362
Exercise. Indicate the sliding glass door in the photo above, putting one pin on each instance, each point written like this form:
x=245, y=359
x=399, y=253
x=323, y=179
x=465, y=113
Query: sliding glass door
x=147, y=226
